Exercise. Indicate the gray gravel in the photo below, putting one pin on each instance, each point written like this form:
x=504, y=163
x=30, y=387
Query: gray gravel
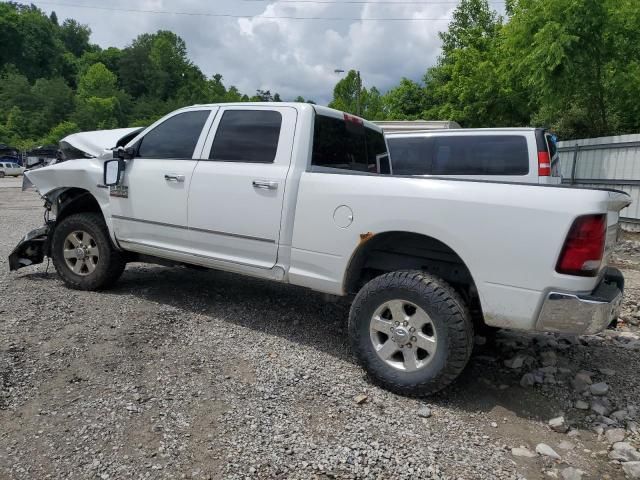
x=178, y=373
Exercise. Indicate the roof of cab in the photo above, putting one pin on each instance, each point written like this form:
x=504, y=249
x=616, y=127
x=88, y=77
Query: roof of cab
x=330, y=112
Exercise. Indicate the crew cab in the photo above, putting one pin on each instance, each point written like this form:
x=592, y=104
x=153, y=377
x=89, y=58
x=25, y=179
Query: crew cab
x=518, y=155
x=307, y=195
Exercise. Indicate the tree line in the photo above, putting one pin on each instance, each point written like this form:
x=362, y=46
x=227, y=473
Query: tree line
x=571, y=65
x=54, y=82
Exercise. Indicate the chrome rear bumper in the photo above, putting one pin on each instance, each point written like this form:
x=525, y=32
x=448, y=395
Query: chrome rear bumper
x=579, y=314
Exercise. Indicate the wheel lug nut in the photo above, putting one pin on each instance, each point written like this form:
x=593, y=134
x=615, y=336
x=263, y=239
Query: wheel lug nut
x=412, y=330
x=408, y=345
x=413, y=339
x=397, y=323
x=405, y=323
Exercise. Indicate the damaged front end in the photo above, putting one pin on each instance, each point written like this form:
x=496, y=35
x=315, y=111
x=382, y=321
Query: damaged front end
x=71, y=184
x=32, y=249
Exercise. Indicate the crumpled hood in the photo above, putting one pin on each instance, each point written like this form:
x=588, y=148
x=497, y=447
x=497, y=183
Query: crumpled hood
x=98, y=143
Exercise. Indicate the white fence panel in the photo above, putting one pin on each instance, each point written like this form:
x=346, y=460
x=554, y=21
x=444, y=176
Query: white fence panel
x=607, y=162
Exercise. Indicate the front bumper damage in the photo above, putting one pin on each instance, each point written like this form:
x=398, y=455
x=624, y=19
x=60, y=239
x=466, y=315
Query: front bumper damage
x=32, y=249
x=587, y=314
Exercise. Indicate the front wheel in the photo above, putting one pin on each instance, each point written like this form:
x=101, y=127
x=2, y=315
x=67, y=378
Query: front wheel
x=411, y=332
x=83, y=254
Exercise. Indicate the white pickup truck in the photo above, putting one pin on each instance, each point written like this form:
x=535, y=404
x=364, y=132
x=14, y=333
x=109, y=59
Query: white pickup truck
x=306, y=195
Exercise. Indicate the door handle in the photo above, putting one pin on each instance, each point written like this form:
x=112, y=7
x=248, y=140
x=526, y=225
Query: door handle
x=173, y=177
x=265, y=184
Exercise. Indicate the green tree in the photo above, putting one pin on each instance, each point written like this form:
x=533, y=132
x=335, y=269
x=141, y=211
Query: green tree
x=75, y=37
x=98, y=104
x=466, y=85
x=233, y=95
x=347, y=93
x=58, y=132
x=54, y=100
x=29, y=41
x=372, y=105
x=575, y=58
x=97, y=81
x=15, y=91
x=157, y=64
x=406, y=101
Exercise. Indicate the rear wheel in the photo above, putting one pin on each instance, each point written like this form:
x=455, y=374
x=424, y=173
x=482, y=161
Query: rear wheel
x=411, y=332
x=83, y=254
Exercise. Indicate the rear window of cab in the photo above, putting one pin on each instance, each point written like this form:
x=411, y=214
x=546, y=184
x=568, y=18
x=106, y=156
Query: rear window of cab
x=460, y=155
x=347, y=144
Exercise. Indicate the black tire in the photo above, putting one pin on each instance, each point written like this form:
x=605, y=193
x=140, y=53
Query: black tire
x=1, y=174
x=110, y=264
x=450, y=320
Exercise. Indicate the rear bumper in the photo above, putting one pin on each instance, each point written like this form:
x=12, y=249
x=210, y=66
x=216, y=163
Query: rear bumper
x=580, y=314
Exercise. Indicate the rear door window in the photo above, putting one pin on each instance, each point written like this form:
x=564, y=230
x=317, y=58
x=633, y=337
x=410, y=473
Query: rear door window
x=247, y=136
x=347, y=144
x=175, y=138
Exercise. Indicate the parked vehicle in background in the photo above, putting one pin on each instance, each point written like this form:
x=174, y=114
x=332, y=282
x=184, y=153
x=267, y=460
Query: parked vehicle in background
x=10, y=169
x=10, y=154
x=520, y=155
x=40, y=156
x=303, y=194
x=402, y=126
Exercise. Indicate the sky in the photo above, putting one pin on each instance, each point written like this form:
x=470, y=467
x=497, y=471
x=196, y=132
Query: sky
x=289, y=56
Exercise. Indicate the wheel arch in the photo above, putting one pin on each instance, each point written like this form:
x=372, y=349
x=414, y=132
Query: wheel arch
x=401, y=250
x=66, y=201
x=73, y=200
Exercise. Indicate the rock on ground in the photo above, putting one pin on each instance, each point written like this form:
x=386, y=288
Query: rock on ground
x=571, y=473
x=558, y=424
x=615, y=435
x=522, y=452
x=631, y=469
x=547, y=451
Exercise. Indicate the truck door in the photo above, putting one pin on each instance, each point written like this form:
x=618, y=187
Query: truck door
x=149, y=208
x=237, y=190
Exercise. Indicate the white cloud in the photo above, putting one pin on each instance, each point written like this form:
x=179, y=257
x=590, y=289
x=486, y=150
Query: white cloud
x=292, y=57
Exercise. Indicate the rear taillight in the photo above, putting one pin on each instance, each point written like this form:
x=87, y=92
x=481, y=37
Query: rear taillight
x=544, y=164
x=584, y=247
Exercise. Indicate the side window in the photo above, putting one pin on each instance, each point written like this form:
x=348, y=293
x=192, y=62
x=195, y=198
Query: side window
x=247, y=136
x=347, y=144
x=410, y=156
x=176, y=137
x=480, y=155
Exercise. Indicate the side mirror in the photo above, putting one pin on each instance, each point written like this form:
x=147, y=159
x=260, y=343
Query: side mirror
x=112, y=172
x=124, y=153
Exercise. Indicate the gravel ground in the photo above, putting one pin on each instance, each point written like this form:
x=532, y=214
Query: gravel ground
x=178, y=373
